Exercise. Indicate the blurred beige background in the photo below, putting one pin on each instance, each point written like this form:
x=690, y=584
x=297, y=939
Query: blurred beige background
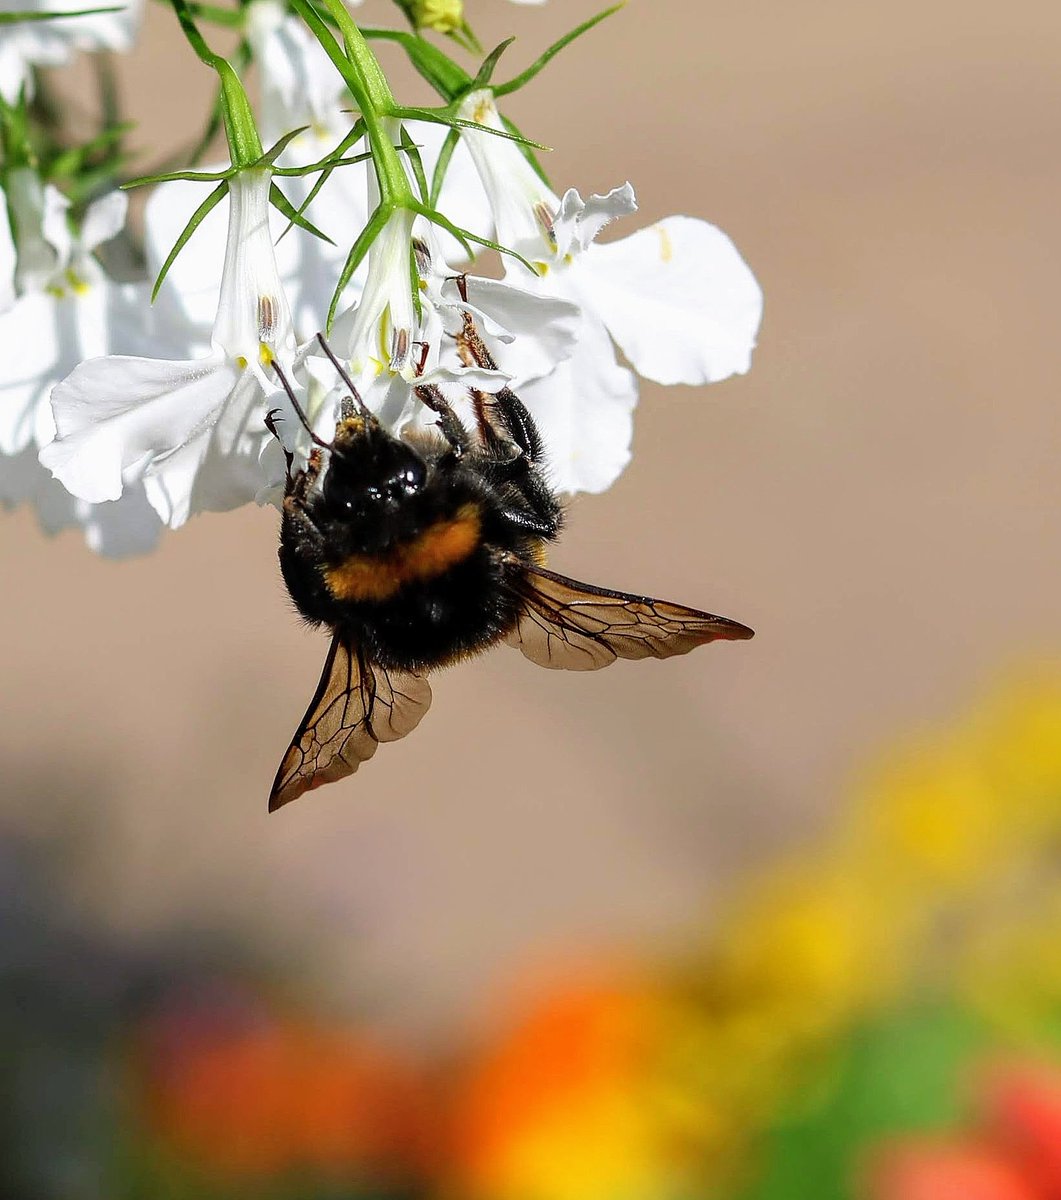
x=877, y=498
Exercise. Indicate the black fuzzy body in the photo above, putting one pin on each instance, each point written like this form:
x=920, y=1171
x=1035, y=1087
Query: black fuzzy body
x=407, y=549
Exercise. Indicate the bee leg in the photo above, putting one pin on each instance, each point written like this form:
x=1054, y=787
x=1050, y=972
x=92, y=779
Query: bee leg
x=518, y=423
x=304, y=480
x=505, y=406
x=270, y=424
x=448, y=422
x=536, y=524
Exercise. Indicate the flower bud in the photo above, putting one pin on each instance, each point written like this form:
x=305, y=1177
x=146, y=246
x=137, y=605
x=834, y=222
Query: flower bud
x=445, y=16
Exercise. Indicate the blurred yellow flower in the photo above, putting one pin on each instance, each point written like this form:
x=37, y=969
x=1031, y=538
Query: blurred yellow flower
x=651, y=1091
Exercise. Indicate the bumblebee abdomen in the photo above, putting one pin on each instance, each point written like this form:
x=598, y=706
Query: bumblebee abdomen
x=378, y=577
x=430, y=623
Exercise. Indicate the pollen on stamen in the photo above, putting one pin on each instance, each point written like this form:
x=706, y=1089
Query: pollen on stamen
x=401, y=348
x=546, y=218
x=266, y=318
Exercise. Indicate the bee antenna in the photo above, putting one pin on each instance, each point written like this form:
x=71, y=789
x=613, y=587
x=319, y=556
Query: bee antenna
x=298, y=407
x=344, y=375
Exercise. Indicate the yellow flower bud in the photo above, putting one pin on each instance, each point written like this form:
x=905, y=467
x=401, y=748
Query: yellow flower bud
x=443, y=15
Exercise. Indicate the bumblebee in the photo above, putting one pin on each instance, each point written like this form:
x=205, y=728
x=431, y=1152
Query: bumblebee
x=420, y=551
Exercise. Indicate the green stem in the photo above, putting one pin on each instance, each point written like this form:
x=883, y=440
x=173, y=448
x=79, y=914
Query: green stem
x=368, y=85
x=244, y=144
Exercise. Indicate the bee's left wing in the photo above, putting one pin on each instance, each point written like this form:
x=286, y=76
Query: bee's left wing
x=577, y=627
x=356, y=706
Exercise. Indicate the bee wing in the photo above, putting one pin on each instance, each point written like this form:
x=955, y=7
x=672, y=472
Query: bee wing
x=356, y=706
x=577, y=627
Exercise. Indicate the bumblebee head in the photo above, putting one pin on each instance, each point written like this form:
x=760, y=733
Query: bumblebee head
x=371, y=474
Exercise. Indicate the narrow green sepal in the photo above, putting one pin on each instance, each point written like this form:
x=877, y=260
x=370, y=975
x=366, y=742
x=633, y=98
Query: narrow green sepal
x=414, y=283
x=194, y=221
x=443, y=116
x=327, y=165
x=442, y=165
x=171, y=176
x=372, y=230
x=412, y=152
x=489, y=65
x=334, y=157
x=277, y=148
x=284, y=206
x=15, y=18
x=524, y=77
x=465, y=236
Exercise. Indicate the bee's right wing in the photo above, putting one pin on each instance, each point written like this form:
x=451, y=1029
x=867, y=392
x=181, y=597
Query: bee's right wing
x=578, y=627
x=356, y=706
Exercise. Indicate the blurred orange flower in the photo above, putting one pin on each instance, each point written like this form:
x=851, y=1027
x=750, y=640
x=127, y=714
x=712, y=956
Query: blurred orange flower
x=244, y=1090
x=567, y=1104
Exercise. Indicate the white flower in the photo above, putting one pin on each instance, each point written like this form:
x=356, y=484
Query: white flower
x=299, y=84
x=538, y=331
x=193, y=431
x=64, y=307
x=24, y=45
x=56, y=306
x=677, y=299
x=388, y=348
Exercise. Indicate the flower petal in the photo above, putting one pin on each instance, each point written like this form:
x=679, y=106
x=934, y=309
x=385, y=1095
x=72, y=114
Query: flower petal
x=578, y=222
x=678, y=299
x=584, y=411
x=116, y=415
x=30, y=324
x=539, y=330
x=104, y=219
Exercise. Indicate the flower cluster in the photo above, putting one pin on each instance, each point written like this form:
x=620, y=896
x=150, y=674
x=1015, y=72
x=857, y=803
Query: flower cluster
x=340, y=211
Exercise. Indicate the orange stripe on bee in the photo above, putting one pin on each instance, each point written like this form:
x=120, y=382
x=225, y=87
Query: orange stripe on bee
x=368, y=577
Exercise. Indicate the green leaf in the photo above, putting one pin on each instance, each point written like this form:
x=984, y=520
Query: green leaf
x=524, y=77
x=194, y=222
